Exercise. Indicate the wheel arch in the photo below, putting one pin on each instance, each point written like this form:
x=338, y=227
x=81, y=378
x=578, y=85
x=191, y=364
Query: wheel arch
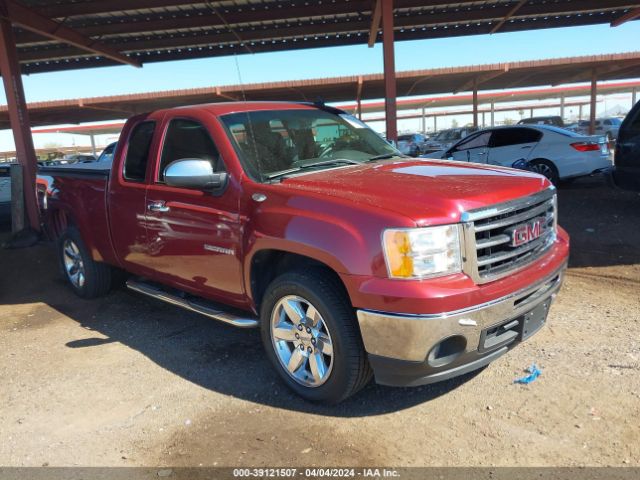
x=549, y=161
x=267, y=264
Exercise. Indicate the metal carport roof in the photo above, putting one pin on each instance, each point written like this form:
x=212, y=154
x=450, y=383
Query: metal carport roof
x=159, y=30
x=338, y=89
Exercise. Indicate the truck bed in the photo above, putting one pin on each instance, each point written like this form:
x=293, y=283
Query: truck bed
x=78, y=195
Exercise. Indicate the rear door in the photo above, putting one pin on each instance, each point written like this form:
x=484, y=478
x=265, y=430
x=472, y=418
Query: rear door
x=508, y=145
x=194, y=236
x=472, y=149
x=126, y=196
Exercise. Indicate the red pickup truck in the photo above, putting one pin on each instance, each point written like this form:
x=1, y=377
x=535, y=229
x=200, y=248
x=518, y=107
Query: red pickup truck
x=353, y=259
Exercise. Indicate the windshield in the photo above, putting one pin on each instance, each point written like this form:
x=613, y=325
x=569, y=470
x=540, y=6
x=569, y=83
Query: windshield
x=270, y=142
x=441, y=136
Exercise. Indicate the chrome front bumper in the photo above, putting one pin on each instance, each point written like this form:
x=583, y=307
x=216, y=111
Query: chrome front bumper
x=411, y=338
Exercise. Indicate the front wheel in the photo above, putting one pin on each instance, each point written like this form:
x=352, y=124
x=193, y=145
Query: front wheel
x=310, y=335
x=546, y=168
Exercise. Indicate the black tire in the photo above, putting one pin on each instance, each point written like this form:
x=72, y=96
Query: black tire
x=546, y=168
x=350, y=369
x=97, y=276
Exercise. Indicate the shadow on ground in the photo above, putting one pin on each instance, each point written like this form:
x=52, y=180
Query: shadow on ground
x=213, y=355
x=602, y=222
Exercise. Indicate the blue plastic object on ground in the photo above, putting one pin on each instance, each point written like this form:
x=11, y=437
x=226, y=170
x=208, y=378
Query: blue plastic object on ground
x=534, y=372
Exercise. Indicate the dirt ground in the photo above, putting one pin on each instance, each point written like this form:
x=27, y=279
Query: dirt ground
x=128, y=381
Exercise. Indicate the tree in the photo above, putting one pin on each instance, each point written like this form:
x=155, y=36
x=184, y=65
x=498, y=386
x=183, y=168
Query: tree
x=509, y=121
x=454, y=123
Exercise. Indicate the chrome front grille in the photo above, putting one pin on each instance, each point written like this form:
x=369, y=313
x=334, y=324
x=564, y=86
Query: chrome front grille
x=504, y=238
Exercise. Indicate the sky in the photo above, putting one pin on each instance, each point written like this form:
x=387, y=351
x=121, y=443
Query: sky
x=325, y=62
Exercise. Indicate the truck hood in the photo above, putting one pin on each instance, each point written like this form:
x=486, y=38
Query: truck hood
x=427, y=191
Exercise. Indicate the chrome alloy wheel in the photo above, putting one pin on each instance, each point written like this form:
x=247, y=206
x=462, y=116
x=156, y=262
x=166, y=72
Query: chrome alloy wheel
x=302, y=341
x=542, y=169
x=73, y=264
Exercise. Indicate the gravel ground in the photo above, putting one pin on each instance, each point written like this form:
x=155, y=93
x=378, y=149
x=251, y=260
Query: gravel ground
x=128, y=381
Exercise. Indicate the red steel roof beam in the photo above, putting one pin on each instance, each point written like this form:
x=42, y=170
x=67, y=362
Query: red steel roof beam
x=511, y=13
x=631, y=15
x=31, y=20
x=390, y=89
x=19, y=117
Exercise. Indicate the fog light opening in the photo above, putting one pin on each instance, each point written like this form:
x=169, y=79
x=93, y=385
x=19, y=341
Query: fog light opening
x=446, y=351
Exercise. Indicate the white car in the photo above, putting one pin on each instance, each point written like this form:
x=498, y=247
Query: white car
x=556, y=153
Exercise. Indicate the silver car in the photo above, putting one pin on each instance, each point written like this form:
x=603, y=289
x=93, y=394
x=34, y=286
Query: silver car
x=412, y=144
x=445, y=138
x=609, y=127
x=5, y=191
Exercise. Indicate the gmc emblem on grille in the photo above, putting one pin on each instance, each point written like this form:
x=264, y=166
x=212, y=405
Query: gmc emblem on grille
x=527, y=232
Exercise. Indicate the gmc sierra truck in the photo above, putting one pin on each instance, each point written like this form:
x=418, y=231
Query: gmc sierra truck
x=353, y=260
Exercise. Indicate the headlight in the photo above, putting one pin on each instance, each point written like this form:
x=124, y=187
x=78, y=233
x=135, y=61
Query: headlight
x=414, y=253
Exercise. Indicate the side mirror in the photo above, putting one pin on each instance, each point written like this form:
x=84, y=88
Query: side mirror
x=195, y=174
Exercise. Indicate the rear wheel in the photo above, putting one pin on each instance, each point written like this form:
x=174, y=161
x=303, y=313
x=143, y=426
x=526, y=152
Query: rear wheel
x=310, y=335
x=88, y=278
x=546, y=168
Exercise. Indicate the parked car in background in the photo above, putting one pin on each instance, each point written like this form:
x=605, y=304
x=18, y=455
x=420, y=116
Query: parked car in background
x=78, y=158
x=107, y=153
x=554, y=120
x=412, y=144
x=609, y=127
x=445, y=138
x=352, y=259
x=554, y=152
x=5, y=191
x=626, y=173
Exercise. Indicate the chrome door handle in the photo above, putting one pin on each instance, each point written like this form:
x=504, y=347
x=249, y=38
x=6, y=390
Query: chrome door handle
x=158, y=207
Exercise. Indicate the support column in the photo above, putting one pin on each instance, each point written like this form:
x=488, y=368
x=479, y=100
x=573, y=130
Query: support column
x=424, y=121
x=594, y=93
x=18, y=116
x=531, y=113
x=493, y=111
x=562, y=106
x=390, y=106
x=93, y=144
x=580, y=112
x=483, y=119
x=435, y=124
x=359, y=97
x=475, y=102
x=634, y=94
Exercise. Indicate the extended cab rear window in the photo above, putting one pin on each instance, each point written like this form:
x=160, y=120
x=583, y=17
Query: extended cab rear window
x=135, y=164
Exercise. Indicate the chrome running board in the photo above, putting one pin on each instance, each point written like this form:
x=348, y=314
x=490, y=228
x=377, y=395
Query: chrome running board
x=195, y=304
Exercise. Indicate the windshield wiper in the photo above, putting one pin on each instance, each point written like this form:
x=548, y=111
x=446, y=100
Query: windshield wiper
x=333, y=161
x=385, y=156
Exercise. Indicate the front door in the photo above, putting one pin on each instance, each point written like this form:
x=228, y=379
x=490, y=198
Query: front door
x=472, y=149
x=194, y=236
x=508, y=145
